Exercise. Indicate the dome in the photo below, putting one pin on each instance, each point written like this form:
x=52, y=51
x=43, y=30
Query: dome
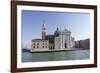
x=57, y=32
x=65, y=30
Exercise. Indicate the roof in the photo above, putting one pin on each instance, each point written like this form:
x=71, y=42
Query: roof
x=39, y=40
x=51, y=35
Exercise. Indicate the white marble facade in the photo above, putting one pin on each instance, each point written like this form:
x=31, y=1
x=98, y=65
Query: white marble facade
x=63, y=39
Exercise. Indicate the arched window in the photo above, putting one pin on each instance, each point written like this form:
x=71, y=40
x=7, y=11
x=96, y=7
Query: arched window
x=37, y=46
x=65, y=45
x=33, y=46
x=45, y=46
x=34, y=43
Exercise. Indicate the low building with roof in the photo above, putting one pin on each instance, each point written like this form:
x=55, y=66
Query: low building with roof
x=39, y=45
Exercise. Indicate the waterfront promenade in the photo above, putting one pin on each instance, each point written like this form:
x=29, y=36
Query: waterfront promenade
x=56, y=50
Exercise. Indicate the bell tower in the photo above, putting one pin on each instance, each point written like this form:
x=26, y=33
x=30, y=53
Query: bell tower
x=43, y=31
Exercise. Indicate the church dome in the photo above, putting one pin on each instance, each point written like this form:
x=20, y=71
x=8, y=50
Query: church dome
x=65, y=30
x=57, y=32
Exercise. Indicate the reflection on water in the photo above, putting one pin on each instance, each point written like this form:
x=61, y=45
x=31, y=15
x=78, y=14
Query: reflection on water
x=56, y=56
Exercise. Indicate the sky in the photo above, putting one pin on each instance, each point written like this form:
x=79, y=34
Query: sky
x=32, y=21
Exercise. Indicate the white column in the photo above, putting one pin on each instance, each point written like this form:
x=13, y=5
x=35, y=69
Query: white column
x=60, y=41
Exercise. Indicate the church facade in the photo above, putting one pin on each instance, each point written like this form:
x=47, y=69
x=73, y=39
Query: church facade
x=63, y=39
x=60, y=40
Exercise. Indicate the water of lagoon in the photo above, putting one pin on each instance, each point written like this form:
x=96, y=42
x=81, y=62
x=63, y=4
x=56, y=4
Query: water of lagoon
x=56, y=56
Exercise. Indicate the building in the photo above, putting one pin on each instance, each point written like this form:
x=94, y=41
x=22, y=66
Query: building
x=83, y=44
x=61, y=39
x=39, y=44
x=51, y=41
x=43, y=31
